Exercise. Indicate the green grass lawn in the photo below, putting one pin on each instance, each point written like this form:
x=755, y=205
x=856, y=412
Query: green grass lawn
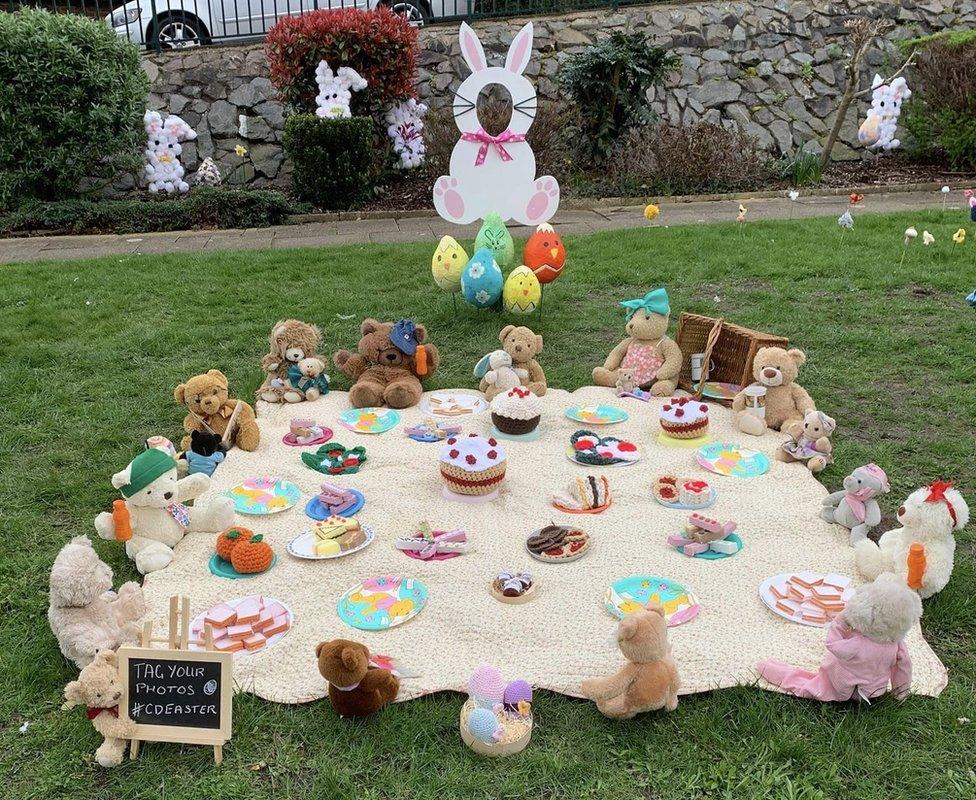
x=92, y=351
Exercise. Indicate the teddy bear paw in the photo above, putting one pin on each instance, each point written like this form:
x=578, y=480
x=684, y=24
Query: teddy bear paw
x=153, y=559
x=750, y=423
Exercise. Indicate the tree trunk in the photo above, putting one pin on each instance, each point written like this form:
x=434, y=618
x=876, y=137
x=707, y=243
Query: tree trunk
x=845, y=103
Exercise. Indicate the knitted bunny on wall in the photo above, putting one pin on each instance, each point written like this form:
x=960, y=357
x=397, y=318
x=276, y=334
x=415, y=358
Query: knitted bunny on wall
x=335, y=90
x=163, y=149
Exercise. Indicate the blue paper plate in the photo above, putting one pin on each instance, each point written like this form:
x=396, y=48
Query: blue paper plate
x=711, y=555
x=265, y=495
x=382, y=602
x=316, y=510
x=732, y=460
x=224, y=569
x=634, y=592
x=597, y=414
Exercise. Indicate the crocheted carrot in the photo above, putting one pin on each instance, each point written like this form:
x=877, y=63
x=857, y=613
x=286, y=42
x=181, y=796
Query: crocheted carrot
x=121, y=521
x=421, y=359
x=916, y=566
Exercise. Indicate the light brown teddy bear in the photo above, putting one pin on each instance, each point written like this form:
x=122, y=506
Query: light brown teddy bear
x=206, y=397
x=85, y=614
x=99, y=687
x=787, y=403
x=649, y=680
x=654, y=358
x=290, y=341
x=391, y=360
x=813, y=445
x=523, y=346
x=355, y=688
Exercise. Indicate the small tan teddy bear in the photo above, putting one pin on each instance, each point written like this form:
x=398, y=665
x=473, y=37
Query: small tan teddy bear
x=812, y=445
x=787, y=403
x=99, y=687
x=523, y=345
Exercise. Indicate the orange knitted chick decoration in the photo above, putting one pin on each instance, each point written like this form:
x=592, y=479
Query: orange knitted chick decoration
x=228, y=539
x=252, y=555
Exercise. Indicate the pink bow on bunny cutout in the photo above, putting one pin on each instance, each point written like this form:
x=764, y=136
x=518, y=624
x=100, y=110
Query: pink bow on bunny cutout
x=487, y=140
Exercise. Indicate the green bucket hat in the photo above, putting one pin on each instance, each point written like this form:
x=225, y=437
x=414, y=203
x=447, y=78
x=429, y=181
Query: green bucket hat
x=145, y=468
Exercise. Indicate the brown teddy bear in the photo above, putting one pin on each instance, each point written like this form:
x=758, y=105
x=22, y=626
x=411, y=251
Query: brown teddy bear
x=649, y=680
x=290, y=341
x=654, y=358
x=391, y=360
x=210, y=409
x=523, y=346
x=787, y=403
x=355, y=688
x=99, y=687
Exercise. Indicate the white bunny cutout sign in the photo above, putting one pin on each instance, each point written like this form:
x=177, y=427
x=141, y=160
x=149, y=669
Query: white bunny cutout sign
x=495, y=173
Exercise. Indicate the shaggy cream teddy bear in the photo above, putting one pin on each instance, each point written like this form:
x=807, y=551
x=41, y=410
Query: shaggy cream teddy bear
x=929, y=517
x=99, y=687
x=86, y=616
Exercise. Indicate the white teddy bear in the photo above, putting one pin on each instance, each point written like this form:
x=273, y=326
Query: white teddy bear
x=157, y=516
x=929, y=517
x=163, y=149
x=335, y=90
x=497, y=370
x=405, y=124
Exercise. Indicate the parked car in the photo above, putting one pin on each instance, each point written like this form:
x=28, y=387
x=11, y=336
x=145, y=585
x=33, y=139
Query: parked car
x=188, y=23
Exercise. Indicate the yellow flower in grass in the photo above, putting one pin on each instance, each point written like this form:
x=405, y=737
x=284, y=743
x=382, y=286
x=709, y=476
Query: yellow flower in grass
x=959, y=236
x=651, y=211
x=241, y=151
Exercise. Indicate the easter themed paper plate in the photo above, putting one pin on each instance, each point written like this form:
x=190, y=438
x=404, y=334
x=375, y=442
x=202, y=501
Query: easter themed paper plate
x=369, y=420
x=719, y=391
x=265, y=495
x=597, y=415
x=732, y=460
x=633, y=593
x=382, y=602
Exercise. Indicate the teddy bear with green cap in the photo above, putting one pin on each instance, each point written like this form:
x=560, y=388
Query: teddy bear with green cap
x=652, y=359
x=153, y=516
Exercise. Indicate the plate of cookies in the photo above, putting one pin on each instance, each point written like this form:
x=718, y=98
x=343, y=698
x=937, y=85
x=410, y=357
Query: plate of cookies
x=557, y=544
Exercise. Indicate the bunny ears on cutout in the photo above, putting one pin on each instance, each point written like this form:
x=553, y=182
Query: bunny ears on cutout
x=519, y=51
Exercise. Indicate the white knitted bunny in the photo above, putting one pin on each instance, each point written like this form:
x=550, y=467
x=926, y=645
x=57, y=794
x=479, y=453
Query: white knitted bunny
x=163, y=149
x=335, y=90
x=881, y=124
x=405, y=124
x=495, y=173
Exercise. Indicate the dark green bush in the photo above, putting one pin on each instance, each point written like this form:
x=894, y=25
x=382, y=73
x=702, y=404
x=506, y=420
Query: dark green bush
x=332, y=159
x=203, y=207
x=940, y=116
x=72, y=96
x=609, y=82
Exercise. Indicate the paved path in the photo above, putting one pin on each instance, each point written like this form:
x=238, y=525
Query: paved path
x=412, y=228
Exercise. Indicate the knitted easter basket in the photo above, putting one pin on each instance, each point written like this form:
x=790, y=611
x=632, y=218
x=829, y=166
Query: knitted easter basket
x=731, y=347
x=517, y=734
x=514, y=427
x=478, y=483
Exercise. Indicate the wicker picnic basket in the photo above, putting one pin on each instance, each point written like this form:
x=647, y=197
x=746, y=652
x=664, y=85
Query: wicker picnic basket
x=732, y=348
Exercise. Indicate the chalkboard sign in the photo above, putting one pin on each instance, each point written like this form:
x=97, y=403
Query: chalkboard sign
x=177, y=695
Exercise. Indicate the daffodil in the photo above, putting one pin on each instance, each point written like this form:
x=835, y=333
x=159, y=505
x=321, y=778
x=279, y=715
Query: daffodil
x=651, y=211
x=241, y=151
x=959, y=236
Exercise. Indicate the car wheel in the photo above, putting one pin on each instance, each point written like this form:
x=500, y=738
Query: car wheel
x=175, y=31
x=417, y=12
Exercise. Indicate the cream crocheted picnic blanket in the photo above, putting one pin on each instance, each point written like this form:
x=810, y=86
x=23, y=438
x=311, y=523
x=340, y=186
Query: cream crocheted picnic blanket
x=563, y=635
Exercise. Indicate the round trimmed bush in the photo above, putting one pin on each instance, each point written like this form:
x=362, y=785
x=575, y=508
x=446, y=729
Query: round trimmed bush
x=332, y=158
x=72, y=96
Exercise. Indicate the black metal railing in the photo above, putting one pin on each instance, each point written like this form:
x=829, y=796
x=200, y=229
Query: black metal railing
x=164, y=24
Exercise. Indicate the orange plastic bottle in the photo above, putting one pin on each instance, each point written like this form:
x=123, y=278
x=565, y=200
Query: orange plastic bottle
x=120, y=517
x=916, y=566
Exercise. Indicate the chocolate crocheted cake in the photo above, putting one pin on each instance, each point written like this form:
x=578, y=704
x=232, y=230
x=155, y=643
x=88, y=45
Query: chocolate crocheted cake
x=516, y=412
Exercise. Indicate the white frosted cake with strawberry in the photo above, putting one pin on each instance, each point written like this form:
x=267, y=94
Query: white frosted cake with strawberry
x=684, y=418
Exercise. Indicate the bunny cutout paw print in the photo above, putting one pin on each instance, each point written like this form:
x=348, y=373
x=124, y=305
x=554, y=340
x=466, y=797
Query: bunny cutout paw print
x=495, y=172
x=335, y=90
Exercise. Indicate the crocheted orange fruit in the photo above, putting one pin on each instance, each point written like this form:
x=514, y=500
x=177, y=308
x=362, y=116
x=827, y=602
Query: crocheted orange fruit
x=252, y=555
x=228, y=539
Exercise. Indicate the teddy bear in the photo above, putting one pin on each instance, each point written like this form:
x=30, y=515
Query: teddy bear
x=812, y=445
x=865, y=644
x=855, y=506
x=335, y=90
x=522, y=345
x=206, y=398
x=85, y=615
x=649, y=680
x=390, y=361
x=99, y=687
x=205, y=453
x=626, y=382
x=497, y=373
x=308, y=377
x=929, y=517
x=289, y=342
x=356, y=689
x=152, y=519
x=654, y=358
x=787, y=403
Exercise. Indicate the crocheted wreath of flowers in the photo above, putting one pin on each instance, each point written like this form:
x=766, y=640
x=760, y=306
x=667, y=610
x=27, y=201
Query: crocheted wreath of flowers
x=334, y=459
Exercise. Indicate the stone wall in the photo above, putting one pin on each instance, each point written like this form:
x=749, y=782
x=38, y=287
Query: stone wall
x=773, y=68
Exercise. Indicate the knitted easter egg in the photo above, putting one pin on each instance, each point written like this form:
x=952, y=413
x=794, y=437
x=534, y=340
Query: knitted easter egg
x=545, y=254
x=484, y=725
x=485, y=686
x=481, y=280
x=447, y=264
x=517, y=692
x=522, y=291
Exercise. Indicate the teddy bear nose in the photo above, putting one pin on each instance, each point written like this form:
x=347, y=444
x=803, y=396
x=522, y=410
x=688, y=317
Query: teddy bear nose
x=901, y=510
x=391, y=356
x=769, y=373
x=167, y=495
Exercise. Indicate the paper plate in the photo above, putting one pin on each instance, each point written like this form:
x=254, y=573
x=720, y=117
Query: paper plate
x=303, y=546
x=711, y=555
x=224, y=569
x=317, y=511
x=571, y=455
x=197, y=624
x=382, y=602
x=369, y=420
x=732, y=460
x=671, y=441
x=684, y=506
x=265, y=495
x=568, y=559
x=633, y=593
x=597, y=415
x=766, y=595
x=290, y=440
x=719, y=391
x=452, y=404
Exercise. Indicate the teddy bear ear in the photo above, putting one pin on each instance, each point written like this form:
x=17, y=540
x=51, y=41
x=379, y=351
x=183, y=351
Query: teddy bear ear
x=319, y=648
x=798, y=356
x=179, y=393
x=109, y=657
x=120, y=479
x=73, y=695
x=628, y=628
x=504, y=332
x=218, y=376
x=369, y=325
x=420, y=333
x=538, y=343
x=657, y=608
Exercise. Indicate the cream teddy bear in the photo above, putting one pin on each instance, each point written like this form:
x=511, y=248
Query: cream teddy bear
x=99, y=687
x=86, y=616
x=928, y=517
x=155, y=517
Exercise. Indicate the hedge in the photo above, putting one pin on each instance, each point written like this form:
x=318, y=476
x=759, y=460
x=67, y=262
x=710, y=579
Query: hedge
x=332, y=159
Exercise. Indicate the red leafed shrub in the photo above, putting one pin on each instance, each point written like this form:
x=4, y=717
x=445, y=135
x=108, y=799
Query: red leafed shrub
x=380, y=45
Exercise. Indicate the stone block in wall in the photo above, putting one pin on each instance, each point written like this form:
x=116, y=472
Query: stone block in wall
x=222, y=118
